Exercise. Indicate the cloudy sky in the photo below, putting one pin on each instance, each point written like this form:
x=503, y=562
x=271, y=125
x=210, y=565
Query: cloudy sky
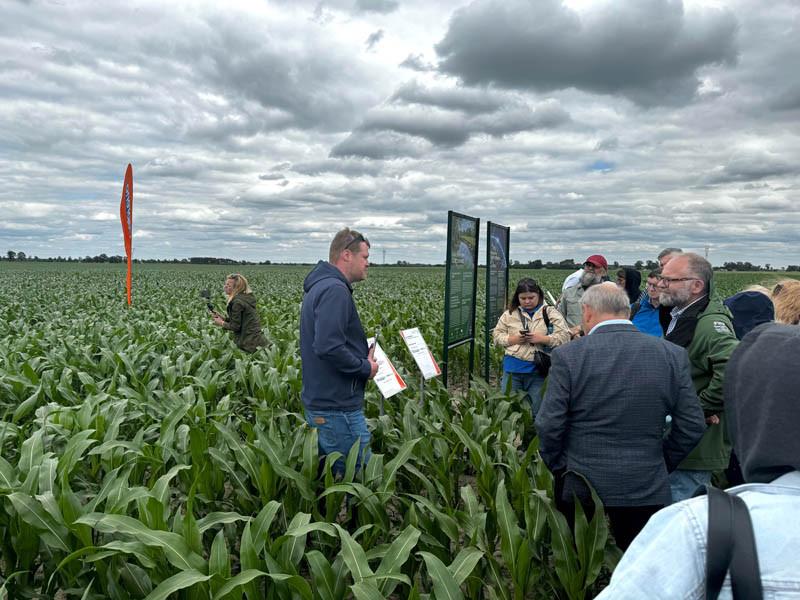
x=256, y=129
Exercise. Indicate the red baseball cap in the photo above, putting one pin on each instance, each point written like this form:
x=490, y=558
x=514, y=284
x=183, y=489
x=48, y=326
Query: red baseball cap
x=598, y=260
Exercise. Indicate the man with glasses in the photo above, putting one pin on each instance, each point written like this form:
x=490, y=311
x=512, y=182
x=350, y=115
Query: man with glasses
x=644, y=313
x=700, y=323
x=333, y=348
x=595, y=270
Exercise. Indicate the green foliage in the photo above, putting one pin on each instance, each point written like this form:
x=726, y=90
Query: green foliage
x=143, y=456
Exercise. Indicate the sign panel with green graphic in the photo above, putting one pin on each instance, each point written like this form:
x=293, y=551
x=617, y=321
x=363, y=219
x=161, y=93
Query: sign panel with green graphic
x=461, y=278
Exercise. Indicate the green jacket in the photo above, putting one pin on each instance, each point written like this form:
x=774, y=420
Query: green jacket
x=243, y=323
x=710, y=346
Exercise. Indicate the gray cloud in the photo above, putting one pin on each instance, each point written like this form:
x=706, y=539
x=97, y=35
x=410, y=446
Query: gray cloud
x=470, y=100
x=442, y=128
x=379, y=145
x=349, y=167
x=416, y=62
x=447, y=118
x=257, y=131
x=647, y=50
x=751, y=166
x=378, y=6
x=243, y=60
x=374, y=39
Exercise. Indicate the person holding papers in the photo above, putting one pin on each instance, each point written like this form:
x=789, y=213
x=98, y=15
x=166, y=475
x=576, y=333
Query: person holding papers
x=527, y=328
x=333, y=347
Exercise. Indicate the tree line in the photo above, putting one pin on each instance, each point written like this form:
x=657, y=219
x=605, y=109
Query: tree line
x=566, y=264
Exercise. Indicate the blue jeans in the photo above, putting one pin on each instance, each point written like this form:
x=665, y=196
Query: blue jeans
x=337, y=432
x=530, y=383
x=683, y=483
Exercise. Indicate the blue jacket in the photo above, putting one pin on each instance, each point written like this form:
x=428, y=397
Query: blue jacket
x=333, y=345
x=646, y=319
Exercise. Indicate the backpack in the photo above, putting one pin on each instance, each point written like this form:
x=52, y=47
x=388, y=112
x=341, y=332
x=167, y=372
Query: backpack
x=731, y=544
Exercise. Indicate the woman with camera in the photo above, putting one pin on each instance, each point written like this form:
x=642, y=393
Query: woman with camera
x=242, y=319
x=528, y=330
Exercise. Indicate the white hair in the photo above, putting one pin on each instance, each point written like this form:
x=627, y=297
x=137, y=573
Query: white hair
x=607, y=298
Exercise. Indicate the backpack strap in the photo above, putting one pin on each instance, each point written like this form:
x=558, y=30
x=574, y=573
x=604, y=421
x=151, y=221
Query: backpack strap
x=731, y=543
x=545, y=316
x=635, y=309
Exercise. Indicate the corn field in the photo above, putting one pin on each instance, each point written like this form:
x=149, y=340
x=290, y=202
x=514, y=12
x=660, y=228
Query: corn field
x=144, y=456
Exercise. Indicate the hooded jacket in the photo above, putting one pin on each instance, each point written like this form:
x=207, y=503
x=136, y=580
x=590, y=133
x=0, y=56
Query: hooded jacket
x=706, y=331
x=763, y=411
x=749, y=310
x=333, y=346
x=633, y=280
x=243, y=322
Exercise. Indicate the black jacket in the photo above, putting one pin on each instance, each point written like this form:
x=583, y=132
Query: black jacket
x=761, y=392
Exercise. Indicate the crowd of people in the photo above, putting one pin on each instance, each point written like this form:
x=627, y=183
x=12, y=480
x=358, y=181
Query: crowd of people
x=641, y=394
x=645, y=400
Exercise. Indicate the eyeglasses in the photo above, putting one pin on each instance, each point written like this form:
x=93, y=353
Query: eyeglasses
x=590, y=267
x=668, y=280
x=651, y=286
x=355, y=241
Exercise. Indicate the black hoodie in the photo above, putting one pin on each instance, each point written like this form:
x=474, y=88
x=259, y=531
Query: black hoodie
x=633, y=279
x=762, y=393
x=749, y=309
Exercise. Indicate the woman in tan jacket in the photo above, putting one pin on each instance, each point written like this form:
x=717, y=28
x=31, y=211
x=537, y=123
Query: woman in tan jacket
x=522, y=330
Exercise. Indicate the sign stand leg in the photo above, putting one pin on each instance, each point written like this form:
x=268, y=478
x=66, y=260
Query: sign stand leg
x=421, y=390
x=380, y=408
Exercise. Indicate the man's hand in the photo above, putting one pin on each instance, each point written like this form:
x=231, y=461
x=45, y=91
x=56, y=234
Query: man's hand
x=373, y=367
x=712, y=420
x=575, y=331
x=218, y=320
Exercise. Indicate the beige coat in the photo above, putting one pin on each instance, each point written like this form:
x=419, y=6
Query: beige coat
x=510, y=323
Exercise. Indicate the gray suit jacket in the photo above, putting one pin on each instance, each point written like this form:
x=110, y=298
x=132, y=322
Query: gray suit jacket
x=604, y=412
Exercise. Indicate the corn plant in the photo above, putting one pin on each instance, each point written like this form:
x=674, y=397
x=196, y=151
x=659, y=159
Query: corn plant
x=142, y=456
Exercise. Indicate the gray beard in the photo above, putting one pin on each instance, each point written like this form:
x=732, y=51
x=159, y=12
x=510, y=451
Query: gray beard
x=589, y=279
x=674, y=299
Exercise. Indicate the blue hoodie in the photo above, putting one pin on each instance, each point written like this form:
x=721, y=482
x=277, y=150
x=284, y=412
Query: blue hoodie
x=333, y=345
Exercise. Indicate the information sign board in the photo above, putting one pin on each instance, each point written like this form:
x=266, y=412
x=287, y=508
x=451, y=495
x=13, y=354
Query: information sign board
x=421, y=353
x=462, y=269
x=387, y=378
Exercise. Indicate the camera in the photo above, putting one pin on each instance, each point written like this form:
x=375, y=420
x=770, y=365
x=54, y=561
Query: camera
x=207, y=296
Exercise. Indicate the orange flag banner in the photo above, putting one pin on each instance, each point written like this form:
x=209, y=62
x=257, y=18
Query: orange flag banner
x=126, y=217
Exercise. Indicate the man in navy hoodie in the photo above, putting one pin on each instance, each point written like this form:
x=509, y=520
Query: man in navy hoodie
x=333, y=348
